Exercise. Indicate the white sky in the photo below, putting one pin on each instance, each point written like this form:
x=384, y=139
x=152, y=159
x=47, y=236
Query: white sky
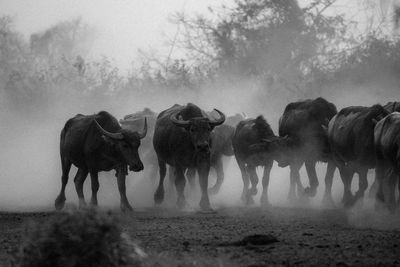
x=123, y=26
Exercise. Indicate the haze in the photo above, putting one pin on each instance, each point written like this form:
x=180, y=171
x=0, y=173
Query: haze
x=122, y=26
x=30, y=161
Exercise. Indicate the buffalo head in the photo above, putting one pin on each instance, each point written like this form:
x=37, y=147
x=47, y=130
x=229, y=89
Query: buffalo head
x=279, y=147
x=126, y=143
x=199, y=129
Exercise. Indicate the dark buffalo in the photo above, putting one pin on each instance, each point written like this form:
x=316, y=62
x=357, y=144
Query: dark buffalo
x=387, y=151
x=351, y=138
x=302, y=123
x=96, y=143
x=182, y=139
x=389, y=107
x=221, y=145
x=255, y=144
x=134, y=122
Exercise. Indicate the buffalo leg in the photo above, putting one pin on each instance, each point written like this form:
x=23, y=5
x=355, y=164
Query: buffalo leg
x=180, y=182
x=362, y=184
x=203, y=171
x=60, y=200
x=219, y=168
x=94, y=178
x=330, y=171
x=124, y=204
x=79, y=179
x=373, y=189
x=245, y=178
x=380, y=170
x=312, y=177
x=191, y=176
x=398, y=187
x=171, y=180
x=347, y=176
x=294, y=180
x=159, y=194
x=265, y=182
x=388, y=189
x=251, y=170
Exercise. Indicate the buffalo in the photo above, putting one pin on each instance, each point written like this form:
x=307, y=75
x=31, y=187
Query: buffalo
x=389, y=107
x=255, y=144
x=95, y=143
x=351, y=139
x=135, y=122
x=221, y=145
x=387, y=151
x=307, y=143
x=182, y=139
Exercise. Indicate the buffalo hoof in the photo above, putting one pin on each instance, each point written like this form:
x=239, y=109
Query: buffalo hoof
x=348, y=201
x=93, y=203
x=379, y=196
x=303, y=200
x=205, y=205
x=373, y=190
x=213, y=190
x=181, y=203
x=126, y=207
x=253, y=191
x=209, y=210
x=379, y=205
x=82, y=204
x=244, y=197
x=359, y=195
x=310, y=191
x=292, y=198
x=265, y=204
x=59, y=203
x=327, y=201
x=159, y=196
x=249, y=200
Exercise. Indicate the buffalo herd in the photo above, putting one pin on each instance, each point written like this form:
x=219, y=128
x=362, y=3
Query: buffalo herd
x=191, y=141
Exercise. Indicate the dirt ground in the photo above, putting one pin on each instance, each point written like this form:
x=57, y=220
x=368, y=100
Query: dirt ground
x=304, y=236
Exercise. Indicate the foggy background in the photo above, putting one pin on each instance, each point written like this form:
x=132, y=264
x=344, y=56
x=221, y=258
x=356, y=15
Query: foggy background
x=60, y=58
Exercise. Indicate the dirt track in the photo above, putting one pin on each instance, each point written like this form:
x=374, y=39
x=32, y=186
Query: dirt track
x=305, y=236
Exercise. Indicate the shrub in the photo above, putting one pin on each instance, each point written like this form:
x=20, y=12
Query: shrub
x=77, y=239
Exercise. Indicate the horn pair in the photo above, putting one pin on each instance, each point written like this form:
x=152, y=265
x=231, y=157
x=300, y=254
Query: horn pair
x=181, y=122
x=120, y=136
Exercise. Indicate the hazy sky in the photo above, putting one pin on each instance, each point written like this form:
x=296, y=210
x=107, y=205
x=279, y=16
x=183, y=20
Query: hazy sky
x=122, y=26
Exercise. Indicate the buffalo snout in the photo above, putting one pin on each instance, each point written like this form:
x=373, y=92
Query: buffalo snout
x=203, y=147
x=136, y=167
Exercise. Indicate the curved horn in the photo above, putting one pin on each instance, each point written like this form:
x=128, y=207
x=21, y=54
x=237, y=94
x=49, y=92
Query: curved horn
x=220, y=120
x=129, y=121
x=117, y=136
x=143, y=133
x=177, y=121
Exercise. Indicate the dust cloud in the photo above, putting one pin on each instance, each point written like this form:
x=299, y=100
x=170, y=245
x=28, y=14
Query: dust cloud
x=30, y=160
x=31, y=169
x=29, y=146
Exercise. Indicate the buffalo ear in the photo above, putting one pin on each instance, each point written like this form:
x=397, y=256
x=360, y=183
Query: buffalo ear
x=374, y=121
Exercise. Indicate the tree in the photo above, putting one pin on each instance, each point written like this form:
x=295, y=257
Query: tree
x=278, y=42
x=67, y=39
